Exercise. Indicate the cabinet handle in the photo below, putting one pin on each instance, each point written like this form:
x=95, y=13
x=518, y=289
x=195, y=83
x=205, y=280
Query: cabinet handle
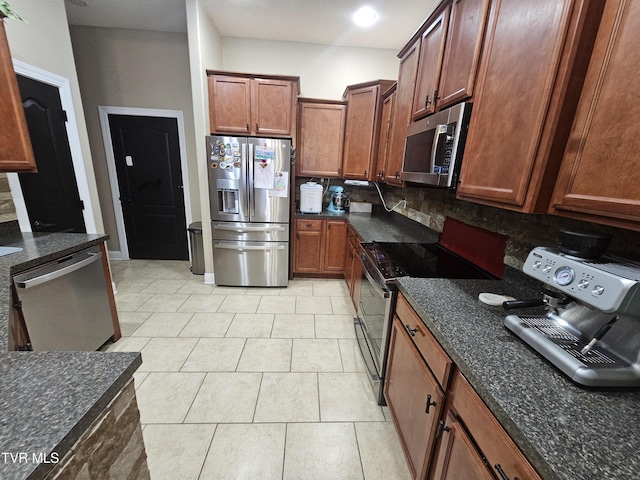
x=397, y=173
x=308, y=225
x=247, y=126
x=412, y=331
x=503, y=475
x=427, y=102
x=339, y=171
x=441, y=428
x=365, y=173
x=257, y=128
x=435, y=97
x=429, y=404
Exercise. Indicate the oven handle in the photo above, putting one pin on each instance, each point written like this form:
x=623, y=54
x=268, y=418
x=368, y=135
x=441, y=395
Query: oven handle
x=383, y=292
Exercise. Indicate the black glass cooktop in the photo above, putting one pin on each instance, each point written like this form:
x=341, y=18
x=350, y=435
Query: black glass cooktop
x=422, y=260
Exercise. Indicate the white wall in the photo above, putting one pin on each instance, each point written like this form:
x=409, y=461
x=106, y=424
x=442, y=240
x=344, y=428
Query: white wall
x=324, y=70
x=44, y=42
x=137, y=69
x=205, y=52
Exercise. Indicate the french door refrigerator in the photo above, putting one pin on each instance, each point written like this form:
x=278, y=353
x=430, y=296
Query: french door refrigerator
x=249, y=188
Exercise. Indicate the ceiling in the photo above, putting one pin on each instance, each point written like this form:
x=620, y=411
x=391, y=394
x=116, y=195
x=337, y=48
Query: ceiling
x=309, y=21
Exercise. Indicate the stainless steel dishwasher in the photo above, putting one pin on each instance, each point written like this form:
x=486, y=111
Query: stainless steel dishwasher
x=65, y=303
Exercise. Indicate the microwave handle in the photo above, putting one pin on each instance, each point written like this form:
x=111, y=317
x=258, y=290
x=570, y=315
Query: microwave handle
x=439, y=144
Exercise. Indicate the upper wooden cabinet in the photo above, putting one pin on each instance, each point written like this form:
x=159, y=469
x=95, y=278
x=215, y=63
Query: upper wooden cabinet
x=16, y=152
x=533, y=64
x=242, y=104
x=362, y=129
x=384, y=138
x=320, y=137
x=449, y=54
x=462, y=51
x=600, y=172
x=429, y=66
x=401, y=116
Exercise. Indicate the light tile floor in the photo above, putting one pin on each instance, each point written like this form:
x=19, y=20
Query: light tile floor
x=250, y=383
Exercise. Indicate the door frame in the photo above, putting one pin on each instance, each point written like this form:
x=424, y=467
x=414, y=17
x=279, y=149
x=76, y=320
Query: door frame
x=104, y=112
x=64, y=89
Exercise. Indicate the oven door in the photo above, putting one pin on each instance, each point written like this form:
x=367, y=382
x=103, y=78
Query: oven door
x=375, y=308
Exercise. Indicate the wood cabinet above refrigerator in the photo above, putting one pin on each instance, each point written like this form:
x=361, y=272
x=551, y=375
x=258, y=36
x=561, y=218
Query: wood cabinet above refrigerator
x=246, y=104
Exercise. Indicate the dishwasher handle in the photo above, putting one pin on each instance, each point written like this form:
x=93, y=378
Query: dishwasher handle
x=47, y=277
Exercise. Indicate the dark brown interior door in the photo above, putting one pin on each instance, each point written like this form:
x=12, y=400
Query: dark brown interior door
x=147, y=158
x=51, y=195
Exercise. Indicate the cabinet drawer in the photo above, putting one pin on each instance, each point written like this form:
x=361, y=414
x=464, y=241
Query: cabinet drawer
x=433, y=354
x=492, y=440
x=308, y=225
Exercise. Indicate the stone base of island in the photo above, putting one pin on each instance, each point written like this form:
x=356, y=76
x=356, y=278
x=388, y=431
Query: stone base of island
x=112, y=447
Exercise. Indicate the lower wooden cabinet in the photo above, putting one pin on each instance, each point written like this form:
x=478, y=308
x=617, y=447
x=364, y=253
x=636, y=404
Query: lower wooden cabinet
x=458, y=458
x=469, y=418
x=445, y=429
x=414, y=398
x=320, y=246
x=352, y=265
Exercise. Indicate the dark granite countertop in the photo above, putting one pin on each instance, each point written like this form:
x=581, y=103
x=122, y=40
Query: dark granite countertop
x=49, y=399
x=567, y=432
x=381, y=226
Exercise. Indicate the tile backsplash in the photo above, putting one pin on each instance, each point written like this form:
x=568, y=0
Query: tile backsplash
x=430, y=207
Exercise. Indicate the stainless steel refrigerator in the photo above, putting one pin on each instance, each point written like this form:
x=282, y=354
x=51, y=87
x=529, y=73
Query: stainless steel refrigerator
x=249, y=190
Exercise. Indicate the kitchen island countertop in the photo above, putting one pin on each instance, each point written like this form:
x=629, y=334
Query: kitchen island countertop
x=48, y=399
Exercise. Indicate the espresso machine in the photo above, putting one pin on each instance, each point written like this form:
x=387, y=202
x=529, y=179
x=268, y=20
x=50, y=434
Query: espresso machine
x=591, y=328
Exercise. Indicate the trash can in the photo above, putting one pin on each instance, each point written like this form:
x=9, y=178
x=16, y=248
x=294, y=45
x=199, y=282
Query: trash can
x=197, y=249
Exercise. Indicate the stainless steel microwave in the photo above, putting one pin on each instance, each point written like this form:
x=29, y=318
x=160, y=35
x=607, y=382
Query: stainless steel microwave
x=434, y=146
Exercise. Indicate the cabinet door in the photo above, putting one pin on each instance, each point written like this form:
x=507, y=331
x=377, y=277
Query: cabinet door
x=402, y=113
x=600, y=172
x=321, y=139
x=527, y=65
x=385, y=135
x=335, y=246
x=359, y=130
x=271, y=107
x=415, y=400
x=230, y=104
x=490, y=438
x=430, y=65
x=16, y=153
x=457, y=456
x=462, y=51
x=308, y=248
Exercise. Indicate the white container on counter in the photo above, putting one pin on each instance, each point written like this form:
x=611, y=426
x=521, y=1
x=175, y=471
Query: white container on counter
x=311, y=197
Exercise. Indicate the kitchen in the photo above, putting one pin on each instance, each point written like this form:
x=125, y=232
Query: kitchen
x=431, y=207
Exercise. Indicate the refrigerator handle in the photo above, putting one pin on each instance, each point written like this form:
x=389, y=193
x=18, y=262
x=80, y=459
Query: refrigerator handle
x=252, y=193
x=245, y=182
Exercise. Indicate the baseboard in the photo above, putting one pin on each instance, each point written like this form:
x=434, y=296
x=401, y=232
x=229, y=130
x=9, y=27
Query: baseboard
x=115, y=255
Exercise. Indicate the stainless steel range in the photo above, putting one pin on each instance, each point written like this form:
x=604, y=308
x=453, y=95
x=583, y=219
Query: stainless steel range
x=382, y=265
x=591, y=329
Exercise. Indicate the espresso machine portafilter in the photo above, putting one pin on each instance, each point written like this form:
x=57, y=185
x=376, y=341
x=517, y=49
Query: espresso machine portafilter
x=591, y=326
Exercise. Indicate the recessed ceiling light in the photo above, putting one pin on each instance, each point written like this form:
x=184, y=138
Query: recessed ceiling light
x=365, y=17
x=80, y=3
